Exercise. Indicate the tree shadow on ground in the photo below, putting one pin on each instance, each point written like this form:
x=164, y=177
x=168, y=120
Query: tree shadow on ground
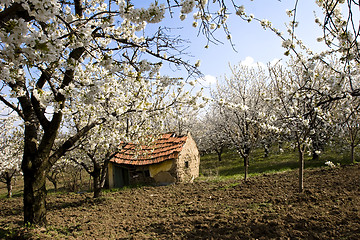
x=64, y=203
x=7, y=212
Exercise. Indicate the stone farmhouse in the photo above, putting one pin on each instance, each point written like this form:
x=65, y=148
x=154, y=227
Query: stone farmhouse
x=167, y=160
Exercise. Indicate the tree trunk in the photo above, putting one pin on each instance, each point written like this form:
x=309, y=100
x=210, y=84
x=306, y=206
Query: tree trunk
x=34, y=196
x=317, y=146
x=266, y=150
x=281, y=150
x=315, y=156
x=8, y=184
x=34, y=166
x=219, y=153
x=301, y=169
x=246, y=166
x=53, y=180
x=9, y=189
x=97, y=182
x=97, y=188
x=352, y=153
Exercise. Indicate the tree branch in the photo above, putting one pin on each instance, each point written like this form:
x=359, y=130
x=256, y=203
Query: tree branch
x=7, y=103
x=72, y=140
x=39, y=110
x=15, y=11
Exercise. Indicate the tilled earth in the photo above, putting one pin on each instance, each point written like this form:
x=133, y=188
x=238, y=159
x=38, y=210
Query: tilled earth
x=265, y=207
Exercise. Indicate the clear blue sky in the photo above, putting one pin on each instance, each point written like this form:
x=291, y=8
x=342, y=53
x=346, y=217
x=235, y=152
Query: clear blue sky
x=251, y=41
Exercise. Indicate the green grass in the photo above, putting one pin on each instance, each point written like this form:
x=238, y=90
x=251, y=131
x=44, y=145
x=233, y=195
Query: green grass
x=232, y=166
x=17, y=191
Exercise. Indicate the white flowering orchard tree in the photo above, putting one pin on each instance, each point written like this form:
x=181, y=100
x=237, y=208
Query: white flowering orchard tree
x=347, y=120
x=183, y=119
x=242, y=109
x=301, y=101
x=11, y=148
x=341, y=35
x=50, y=51
x=308, y=91
x=64, y=169
x=209, y=134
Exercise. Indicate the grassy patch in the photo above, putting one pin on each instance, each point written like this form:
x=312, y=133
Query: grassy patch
x=232, y=167
x=16, y=193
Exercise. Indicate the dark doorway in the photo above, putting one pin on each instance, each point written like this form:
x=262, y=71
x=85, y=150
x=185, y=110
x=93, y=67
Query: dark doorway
x=121, y=176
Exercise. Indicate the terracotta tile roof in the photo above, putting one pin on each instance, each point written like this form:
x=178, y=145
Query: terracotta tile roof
x=166, y=147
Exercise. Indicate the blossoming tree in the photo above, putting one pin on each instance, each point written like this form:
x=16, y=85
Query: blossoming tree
x=210, y=135
x=347, y=123
x=11, y=149
x=50, y=52
x=301, y=101
x=242, y=109
x=49, y=47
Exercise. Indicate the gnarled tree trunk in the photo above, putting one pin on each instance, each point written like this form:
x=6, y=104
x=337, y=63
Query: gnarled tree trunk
x=34, y=196
x=99, y=175
x=97, y=183
x=34, y=166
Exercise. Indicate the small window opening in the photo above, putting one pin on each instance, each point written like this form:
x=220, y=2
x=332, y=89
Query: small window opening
x=186, y=164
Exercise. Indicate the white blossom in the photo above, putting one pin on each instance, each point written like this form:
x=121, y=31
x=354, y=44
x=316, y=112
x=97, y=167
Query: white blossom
x=187, y=6
x=330, y=164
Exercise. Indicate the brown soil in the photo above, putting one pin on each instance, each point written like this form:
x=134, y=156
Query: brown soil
x=265, y=207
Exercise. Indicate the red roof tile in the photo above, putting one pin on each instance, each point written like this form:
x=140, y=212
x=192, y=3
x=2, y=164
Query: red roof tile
x=166, y=147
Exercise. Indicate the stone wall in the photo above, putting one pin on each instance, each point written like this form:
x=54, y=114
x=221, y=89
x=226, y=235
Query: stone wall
x=188, y=163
